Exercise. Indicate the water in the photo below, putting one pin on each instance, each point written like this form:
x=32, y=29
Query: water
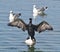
x=12, y=39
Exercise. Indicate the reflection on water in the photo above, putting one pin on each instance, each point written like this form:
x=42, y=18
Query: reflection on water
x=32, y=49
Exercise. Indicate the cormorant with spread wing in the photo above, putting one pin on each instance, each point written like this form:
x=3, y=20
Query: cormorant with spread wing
x=31, y=28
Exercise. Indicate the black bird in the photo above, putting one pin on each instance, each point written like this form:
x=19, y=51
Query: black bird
x=31, y=28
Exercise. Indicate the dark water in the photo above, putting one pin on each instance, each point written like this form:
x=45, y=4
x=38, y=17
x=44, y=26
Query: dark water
x=12, y=39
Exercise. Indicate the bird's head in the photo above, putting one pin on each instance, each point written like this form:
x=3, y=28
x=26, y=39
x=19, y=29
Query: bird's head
x=30, y=20
x=34, y=6
x=20, y=14
x=11, y=11
x=46, y=7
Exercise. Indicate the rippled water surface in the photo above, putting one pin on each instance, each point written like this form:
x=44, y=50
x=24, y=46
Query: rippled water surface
x=12, y=39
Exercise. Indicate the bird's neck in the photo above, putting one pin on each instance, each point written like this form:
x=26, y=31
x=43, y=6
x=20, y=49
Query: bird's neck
x=30, y=23
x=11, y=18
x=34, y=8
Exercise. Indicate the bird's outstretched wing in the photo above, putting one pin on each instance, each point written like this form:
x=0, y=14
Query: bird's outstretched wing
x=43, y=26
x=16, y=15
x=18, y=23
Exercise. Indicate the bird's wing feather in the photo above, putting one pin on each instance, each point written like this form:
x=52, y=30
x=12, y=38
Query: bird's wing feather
x=41, y=9
x=19, y=23
x=43, y=26
x=17, y=15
